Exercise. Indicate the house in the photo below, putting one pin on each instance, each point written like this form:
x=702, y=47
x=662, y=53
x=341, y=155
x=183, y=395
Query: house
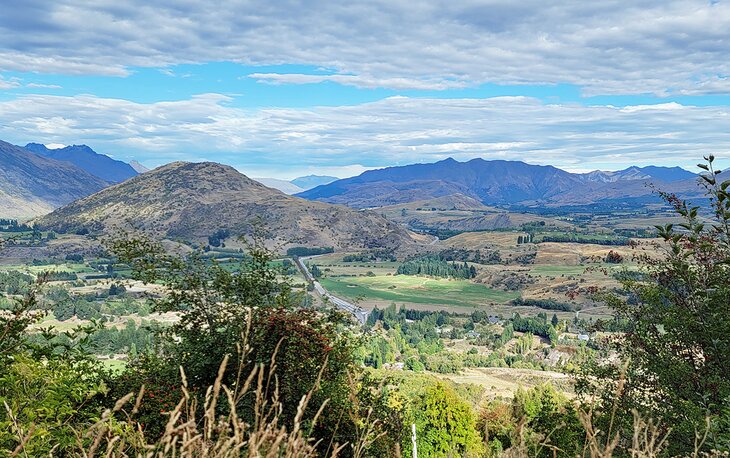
x=472, y=335
x=584, y=337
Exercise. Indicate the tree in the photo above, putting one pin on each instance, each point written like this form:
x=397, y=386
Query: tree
x=445, y=424
x=49, y=386
x=676, y=344
x=249, y=318
x=614, y=258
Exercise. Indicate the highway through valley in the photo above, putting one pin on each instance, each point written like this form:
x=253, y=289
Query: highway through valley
x=359, y=314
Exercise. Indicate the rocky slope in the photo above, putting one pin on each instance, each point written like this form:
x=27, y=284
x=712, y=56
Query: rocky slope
x=191, y=201
x=31, y=185
x=82, y=156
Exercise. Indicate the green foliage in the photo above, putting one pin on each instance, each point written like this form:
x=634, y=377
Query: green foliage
x=49, y=384
x=551, y=419
x=676, y=343
x=535, y=326
x=445, y=424
x=547, y=304
x=49, y=399
x=249, y=316
x=315, y=271
x=574, y=237
x=14, y=282
x=302, y=251
x=371, y=256
x=216, y=239
x=435, y=266
x=613, y=258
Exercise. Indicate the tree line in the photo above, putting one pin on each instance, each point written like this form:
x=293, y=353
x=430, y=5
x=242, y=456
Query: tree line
x=435, y=266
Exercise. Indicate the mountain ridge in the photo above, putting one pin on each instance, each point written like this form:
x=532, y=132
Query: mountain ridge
x=495, y=182
x=99, y=165
x=191, y=201
x=31, y=184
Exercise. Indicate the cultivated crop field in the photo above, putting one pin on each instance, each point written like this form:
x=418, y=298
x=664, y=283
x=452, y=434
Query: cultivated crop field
x=417, y=290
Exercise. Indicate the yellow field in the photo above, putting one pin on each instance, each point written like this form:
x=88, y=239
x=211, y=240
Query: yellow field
x=503, y=382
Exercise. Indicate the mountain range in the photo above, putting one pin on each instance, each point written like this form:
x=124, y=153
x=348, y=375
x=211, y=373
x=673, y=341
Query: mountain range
x=498, y=183
x=312, y=181
x=296, y=185
x=666, y=174
x=32, y=185
x=82, y=156
x=192, y=201
x=36, y=180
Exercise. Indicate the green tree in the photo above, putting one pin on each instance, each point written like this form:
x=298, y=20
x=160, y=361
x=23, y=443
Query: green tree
x=49, y=385
x=445, y=423
x=676, y=344
x=250, y=316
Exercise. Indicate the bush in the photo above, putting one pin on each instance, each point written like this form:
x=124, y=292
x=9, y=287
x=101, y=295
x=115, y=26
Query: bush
x=302, y=251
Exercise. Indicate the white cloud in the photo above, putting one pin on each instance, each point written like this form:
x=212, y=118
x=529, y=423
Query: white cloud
x=609, y=47
x=361, y=81
x=43, y=86
x=55, y=145
x=9, y=84
x=393, y=131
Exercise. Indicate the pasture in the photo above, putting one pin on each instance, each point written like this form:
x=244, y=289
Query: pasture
x=416, y=290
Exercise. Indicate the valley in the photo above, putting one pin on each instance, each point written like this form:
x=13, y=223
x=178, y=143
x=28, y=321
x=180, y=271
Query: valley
x=495, y=298
x=364, y=229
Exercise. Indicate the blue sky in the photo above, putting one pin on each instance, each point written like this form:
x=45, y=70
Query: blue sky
x=283, y=89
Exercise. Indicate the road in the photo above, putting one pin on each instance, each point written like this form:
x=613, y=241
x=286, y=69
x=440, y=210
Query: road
x=354, y=310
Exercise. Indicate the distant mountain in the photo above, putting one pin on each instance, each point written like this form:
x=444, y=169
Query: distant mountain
x=192, y=201
x=296, y=185
x=637, y=192
x=31, y=185
x=99, y=165
x=312, y=181
x=139, y=168
x=666, y=174
x=287, y=187
x=490, y=182
x=496, y=183
x=459, y=212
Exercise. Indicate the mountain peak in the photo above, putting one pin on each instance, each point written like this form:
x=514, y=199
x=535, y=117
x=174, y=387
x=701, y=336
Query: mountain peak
x=139, y=168
x=312, y=181
x=192, y=200
x=490, y=182
x=31, y=184
x=84, y=157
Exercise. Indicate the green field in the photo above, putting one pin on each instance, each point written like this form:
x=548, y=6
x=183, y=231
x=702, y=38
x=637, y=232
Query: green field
x=416, y=290
x=114, y=365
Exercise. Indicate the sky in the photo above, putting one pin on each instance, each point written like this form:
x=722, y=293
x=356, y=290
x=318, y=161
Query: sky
x=288, y=88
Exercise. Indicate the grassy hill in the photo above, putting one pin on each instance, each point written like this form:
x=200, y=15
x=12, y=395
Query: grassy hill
x=192, y=201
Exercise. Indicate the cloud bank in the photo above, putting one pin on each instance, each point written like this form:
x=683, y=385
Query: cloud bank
x=395, y=130
x=608, y=47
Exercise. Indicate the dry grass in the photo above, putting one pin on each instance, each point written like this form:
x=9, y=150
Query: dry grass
x=195, y=432
x=215, y=436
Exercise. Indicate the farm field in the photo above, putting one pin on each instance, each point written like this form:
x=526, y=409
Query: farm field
x=417, y=290
x=503, y=382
